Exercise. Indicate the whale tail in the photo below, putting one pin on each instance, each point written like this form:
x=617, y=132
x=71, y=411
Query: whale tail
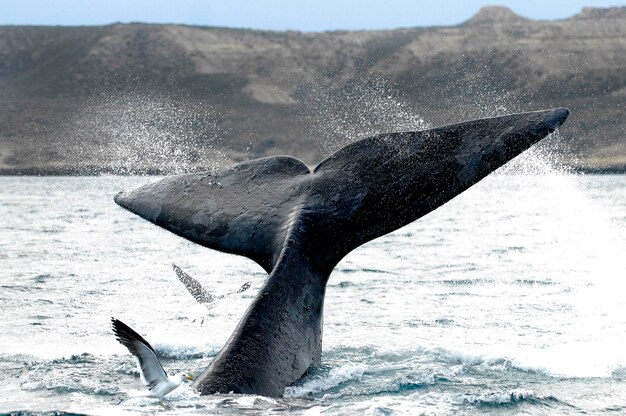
x=362, y=191
x=299, y=224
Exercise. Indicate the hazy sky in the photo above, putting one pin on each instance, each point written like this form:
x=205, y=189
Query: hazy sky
x=278, y=14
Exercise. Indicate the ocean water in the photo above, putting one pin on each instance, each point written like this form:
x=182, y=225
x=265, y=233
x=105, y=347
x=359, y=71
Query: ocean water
x=510, y=299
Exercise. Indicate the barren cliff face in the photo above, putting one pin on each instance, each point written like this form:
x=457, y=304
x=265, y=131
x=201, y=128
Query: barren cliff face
x=169, y=97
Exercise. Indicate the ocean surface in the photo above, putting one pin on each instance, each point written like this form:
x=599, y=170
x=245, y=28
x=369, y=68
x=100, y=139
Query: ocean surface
x=510, y=299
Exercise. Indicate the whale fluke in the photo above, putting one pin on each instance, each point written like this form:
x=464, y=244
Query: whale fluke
x=299, y=224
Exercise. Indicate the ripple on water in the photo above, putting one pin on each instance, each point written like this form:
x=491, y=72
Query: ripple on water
x=506, y=398
x=471, y=316
x=42, y=413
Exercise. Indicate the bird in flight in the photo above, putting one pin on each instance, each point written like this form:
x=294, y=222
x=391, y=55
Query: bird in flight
x=200, y=294
x=151, y=371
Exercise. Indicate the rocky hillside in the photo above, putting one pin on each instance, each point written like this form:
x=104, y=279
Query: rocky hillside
x=136, y=97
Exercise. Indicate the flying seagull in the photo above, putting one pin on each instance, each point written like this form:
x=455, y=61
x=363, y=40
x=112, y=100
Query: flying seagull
x=199, y=293
x=151, y=371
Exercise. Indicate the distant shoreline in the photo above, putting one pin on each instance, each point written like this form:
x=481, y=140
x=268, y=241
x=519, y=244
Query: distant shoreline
x=86, y=100
x=613, y=170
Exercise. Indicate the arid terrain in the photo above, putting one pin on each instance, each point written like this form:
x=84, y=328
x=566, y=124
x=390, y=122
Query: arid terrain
x=167, y=98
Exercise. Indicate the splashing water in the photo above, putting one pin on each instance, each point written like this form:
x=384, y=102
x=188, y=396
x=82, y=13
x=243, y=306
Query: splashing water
x=508, y=299
x=138, y=132
x=356, y=111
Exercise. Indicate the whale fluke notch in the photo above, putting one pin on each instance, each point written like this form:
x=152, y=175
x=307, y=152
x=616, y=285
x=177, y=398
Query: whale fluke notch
x=299, y=224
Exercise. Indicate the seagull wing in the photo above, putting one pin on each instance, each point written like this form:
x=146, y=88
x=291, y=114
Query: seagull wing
x=150, y=368
x=193, y=286
x=243, y=288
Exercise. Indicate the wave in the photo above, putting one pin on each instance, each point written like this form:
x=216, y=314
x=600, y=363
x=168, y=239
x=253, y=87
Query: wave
x=373, y=372
x=71, y=385
x=397, y=370
x=44, y=413
x=568, y=360
x=364, y=270
x=185, y=351
x=534, y=282
x=335, y=377
x=506, y=398
x=344, y=284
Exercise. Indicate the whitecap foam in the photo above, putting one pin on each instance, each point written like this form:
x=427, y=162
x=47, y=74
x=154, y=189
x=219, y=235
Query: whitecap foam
x=333, y=378
x=502, y=397
x=184, y=350
x=577, y=360
x=70, y=385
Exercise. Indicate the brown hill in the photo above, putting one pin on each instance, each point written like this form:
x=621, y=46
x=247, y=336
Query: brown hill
x=128, y=97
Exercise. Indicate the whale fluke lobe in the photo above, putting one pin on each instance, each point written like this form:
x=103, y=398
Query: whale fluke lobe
x=240, y=210
x=299, y=224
